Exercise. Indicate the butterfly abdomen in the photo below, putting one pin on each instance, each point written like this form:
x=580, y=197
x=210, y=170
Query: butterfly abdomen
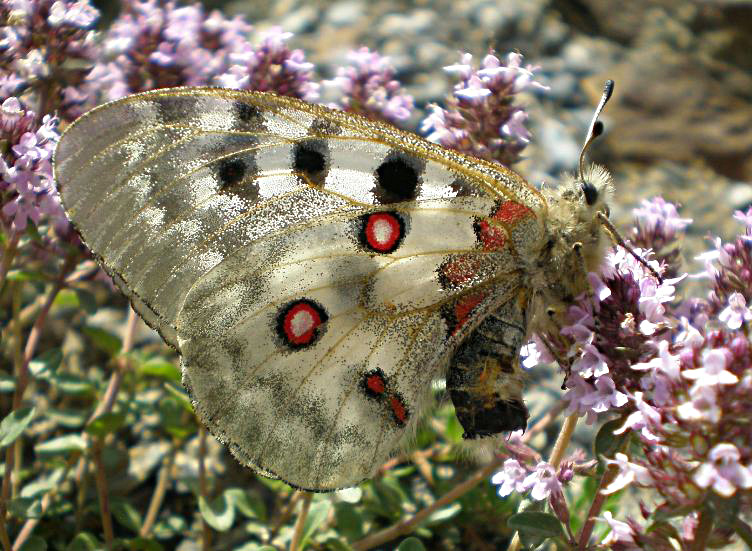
x=484, y=379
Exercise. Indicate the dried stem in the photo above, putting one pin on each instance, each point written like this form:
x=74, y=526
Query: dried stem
x=406, y=526
x=703, y=530
x=164, y=477
x=107, y=402
x=103, y=493
x=8, y=255
x=206, y=535
x=31, y=523
x=297, y=534
x=285, y=514
x=743, y=530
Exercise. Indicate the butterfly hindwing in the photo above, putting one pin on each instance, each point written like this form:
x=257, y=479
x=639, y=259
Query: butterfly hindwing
x=314, y=269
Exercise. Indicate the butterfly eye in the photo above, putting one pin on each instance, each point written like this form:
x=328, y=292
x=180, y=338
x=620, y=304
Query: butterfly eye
x=590, y=193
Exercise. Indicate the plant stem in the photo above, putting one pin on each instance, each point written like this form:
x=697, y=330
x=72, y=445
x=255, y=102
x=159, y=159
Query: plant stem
x=704, y=527
x=560, y=446
x=203, y=487
x=297, y=534
x=165, y=474
x=595, y=507
x=103, y=493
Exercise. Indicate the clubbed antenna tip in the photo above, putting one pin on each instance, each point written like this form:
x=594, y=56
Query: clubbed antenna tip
x=596, y=127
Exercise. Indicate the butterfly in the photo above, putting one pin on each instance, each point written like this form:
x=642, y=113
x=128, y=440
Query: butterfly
x=317, y=270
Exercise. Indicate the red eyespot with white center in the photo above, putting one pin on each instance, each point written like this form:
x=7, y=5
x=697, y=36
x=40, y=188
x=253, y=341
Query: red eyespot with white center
x=382, y=232
x=301, y=322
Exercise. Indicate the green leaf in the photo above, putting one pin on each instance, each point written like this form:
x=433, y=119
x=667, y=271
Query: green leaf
x=84, y=541
x=25, y=507
x=219, y=513
x=14, y=424
x=170, y=527
x=68, y=418
x=246, y=504
x=43, y=484
x=608, y=444
x=61, y=445
x=104, y=340
x=106, y=423
x=349, y=521
x=46, y=363
x=143, y=544
x=25, y=275
x=126, y=514
x=181, y=395
x=86, y=301
x=444, y=513
x=536, y=523
x=7, y=383
x=66, y=298
x=160, y=368
x=34, y=543
x=411, y=544
x=72, y=384
x=316, y=516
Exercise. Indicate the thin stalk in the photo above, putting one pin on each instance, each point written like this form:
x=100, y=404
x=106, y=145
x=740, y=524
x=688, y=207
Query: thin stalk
x=297, y=534
x=163, y=479
x=8, y=255
x=103, y=493
x=595, y=507
x=203, y=487
x=560, y=446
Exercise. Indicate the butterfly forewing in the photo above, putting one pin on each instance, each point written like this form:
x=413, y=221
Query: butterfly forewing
x=314, y=269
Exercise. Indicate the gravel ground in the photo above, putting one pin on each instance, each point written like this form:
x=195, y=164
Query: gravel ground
x=680, y=121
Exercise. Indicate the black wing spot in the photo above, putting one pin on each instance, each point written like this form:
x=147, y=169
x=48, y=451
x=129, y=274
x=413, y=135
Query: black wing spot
x=398, y=178
x=231, y=172
x=311, y=157
x=248, y=116
x=172, y=109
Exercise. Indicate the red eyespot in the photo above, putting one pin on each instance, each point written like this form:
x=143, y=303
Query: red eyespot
x=382, y=232
x=299, y=323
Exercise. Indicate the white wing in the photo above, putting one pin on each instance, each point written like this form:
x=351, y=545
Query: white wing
x=313, y=268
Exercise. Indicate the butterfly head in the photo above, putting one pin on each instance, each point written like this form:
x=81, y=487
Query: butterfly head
x=577, y=225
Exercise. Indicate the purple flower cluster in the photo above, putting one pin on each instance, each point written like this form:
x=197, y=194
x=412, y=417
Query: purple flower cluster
x=271, y=67
x=541, y=482
x=481, y=118
x=368, y=87
x=157, y=45
x=27, y=191
x=44, y=45
x=678, y=375
x=729, y=266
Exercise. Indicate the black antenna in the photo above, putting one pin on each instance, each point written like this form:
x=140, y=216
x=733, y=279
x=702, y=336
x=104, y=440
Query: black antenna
x=596, y=127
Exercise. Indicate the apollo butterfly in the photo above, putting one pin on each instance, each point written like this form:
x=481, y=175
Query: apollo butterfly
x=317, y=270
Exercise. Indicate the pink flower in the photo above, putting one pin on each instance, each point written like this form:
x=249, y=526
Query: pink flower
x=723, y=472
x=736, y=313
x=713, y=371
x=511, y=478
x=543, y=481
x=628, y=473
x=621, y=532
